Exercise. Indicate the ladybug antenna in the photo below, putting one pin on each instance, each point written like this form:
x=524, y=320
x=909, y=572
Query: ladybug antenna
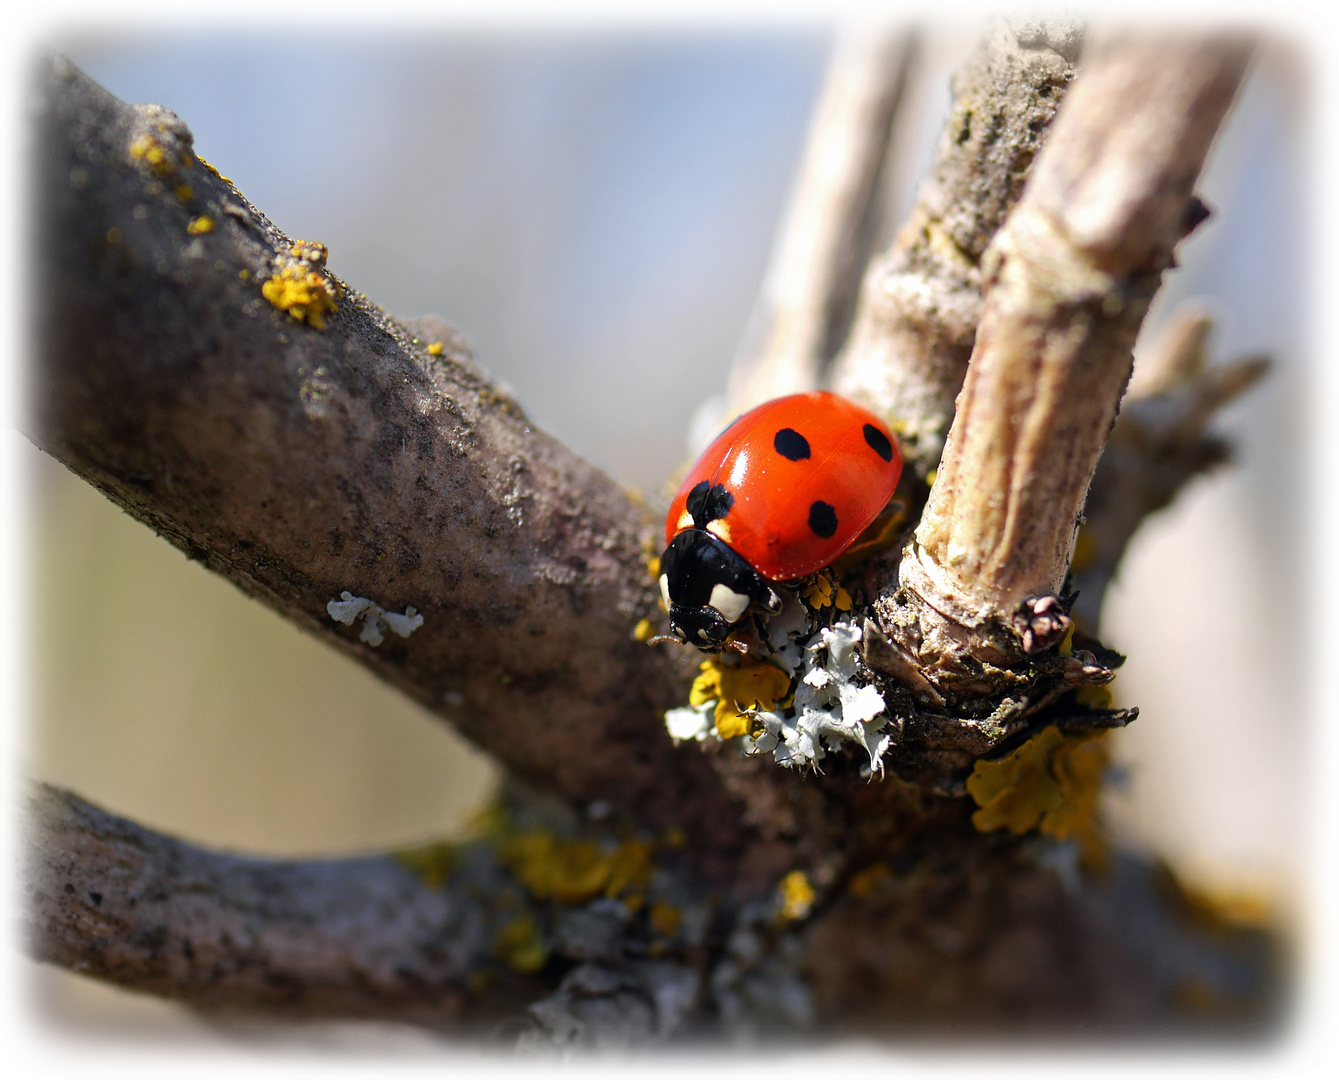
x=664, y=639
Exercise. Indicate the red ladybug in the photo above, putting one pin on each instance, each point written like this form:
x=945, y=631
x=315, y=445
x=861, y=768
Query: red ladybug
x=780, y=494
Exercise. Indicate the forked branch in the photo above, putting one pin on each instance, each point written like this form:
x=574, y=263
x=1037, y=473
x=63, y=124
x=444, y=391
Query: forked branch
x=1069, y=280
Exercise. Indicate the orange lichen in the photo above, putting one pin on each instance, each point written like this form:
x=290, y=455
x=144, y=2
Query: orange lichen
x=1050, y=783
x=737, y=690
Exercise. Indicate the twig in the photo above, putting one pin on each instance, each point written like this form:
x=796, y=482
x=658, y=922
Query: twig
x=807, y=299
x=1070, y=278
x=208, y=375
x=908, y=348
x=1158, y=444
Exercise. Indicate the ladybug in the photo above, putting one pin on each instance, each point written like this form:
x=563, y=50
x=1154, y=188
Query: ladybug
x=781, y=493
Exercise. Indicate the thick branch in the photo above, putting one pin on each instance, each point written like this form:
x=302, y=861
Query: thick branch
x=908, y=349
x=809, y=294
x=306, y=459
x=1071, y=276
x=358, y=937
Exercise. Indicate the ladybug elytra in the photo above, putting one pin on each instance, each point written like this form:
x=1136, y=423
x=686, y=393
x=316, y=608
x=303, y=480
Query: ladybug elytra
x=777, y=496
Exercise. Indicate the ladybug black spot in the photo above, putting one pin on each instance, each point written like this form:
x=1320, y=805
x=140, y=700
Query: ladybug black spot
x=878, y=441
x=791, y=445
x=822, y=519
x=707, y=503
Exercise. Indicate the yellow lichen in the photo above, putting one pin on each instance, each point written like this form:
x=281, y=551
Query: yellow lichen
x=797, y=895
x=435, y=348
x=214, y=171
x=184, y=192
x=574, y=871
x=665, y=918
x=737, y=690
x=149, y=150
x=520, y=946
x=675, y=837
x=645, y=630
x=203, y=224
x=818, y=593
x=433, y=863
x=306, y=295
x=1050, y=783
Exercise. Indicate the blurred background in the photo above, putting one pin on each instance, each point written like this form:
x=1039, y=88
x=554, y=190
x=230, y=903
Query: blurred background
x=594, y=211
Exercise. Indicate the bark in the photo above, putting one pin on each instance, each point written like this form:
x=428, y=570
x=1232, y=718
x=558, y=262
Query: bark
x=304, y=462
x=909, y=346
x=808, y=296
x=362, y=937
x=1069, y=280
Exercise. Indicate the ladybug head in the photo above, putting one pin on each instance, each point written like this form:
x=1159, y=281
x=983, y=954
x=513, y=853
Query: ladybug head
x=708, y=588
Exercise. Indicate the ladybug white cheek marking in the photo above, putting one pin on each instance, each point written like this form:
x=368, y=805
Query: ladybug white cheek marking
x=721, y=528
x=664, y=588
x=685, y=521
x=729, y=603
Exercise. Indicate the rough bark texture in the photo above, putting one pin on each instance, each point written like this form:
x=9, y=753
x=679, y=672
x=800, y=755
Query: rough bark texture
x=808, y=297
x=1070, y=278
x=340, y=937
x=914, y=329
x=303, y=462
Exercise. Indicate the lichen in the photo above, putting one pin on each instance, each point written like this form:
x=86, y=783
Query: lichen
x=801, y=693
x=1051, y=783
x=829, y=706
x=796, y=896
x=300, y=286
x=573, y=871
x=376, y=619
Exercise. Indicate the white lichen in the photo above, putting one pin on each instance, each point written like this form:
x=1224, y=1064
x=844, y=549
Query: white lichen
x=691, y=722
x=376, y=619
x=829, y=707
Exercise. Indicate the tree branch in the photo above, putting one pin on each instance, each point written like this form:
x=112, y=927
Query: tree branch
x=211, y=377
x=908, y=349
x=1070, y=277
x=359, y=937
x=1160, y=441
x=807, y=299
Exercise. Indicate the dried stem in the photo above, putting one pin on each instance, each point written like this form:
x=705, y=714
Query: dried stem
x=1070, y=278
x=808, y=297
x=908, y=349
x=303, y=461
